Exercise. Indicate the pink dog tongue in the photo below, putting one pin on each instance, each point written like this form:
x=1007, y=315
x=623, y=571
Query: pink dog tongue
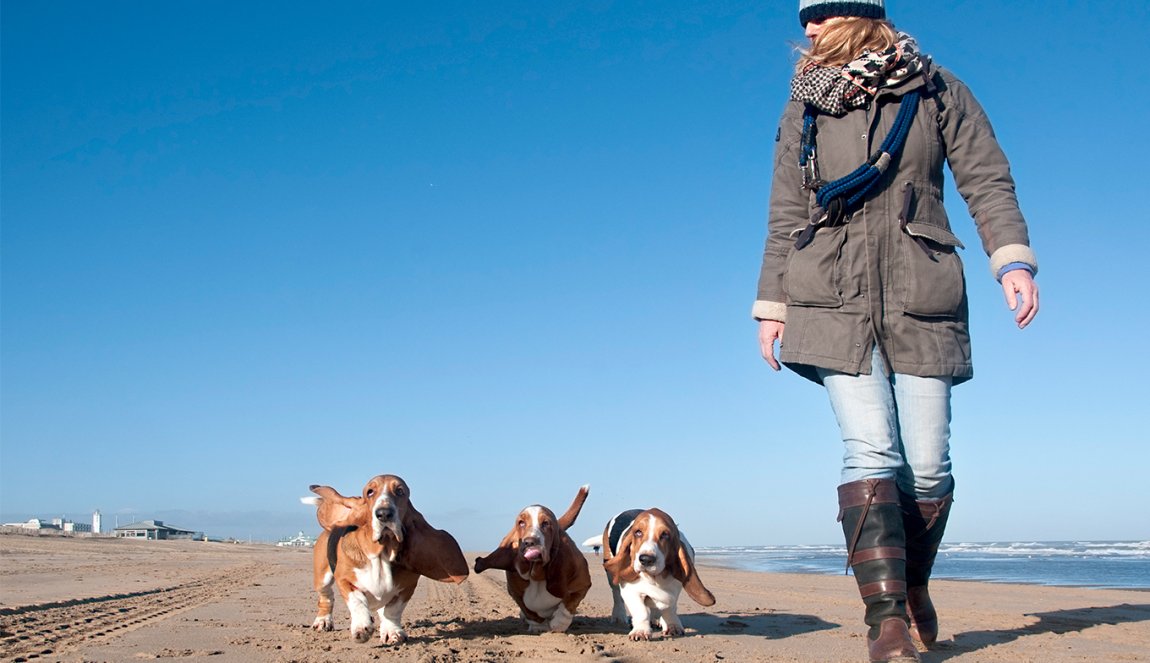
x=532, y=554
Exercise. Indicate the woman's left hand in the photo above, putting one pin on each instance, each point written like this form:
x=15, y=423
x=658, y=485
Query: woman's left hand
x=1021, y=295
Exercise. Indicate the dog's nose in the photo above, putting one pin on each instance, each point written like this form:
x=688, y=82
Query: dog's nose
x=530, y=541
x=385, y=512
x=647, y=560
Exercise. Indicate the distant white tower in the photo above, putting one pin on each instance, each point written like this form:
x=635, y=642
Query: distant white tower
x=96, y=522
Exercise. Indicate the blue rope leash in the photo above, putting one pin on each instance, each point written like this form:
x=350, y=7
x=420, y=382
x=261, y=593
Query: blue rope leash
x=854, y=186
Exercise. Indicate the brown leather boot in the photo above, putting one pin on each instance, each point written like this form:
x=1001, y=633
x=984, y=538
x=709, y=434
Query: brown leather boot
x=876, y=549
x=925, y=522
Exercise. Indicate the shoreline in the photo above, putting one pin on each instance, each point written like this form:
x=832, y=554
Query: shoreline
x=1122, y=565
x=253, y=602
x=711, y=563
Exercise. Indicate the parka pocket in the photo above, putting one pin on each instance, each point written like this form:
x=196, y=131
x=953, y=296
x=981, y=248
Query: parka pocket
x=934, y=281
x=813, y=273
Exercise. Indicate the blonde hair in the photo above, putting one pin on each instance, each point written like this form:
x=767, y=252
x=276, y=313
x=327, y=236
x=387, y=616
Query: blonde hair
x=845, y=38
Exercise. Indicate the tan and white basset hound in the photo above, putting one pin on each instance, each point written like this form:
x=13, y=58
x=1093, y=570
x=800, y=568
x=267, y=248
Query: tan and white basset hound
x=375, y=548
x=547, y=575
x=648, y=563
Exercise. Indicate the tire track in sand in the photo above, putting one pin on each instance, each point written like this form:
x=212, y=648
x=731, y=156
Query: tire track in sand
x=47, y=629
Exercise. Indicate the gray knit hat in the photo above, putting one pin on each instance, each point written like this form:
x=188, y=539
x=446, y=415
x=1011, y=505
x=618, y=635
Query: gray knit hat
x=816, y=10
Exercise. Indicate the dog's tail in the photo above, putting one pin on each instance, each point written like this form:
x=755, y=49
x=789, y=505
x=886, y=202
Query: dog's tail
x=568, y=519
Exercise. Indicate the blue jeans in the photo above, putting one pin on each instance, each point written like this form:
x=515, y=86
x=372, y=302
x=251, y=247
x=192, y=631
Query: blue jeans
x=894, y=426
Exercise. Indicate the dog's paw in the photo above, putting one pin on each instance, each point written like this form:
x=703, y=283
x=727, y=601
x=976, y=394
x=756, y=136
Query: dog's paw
x=537, y=627
x=392, y=636
x=639, y=634
x=673, y=630
x=361, y=634
x=561, y=620
x=323, y=623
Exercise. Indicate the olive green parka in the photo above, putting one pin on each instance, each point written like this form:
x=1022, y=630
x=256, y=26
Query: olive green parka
x=880, y=278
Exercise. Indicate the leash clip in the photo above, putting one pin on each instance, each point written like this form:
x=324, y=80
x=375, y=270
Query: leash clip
x=811, y=179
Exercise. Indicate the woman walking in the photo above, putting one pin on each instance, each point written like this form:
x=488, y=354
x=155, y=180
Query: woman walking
x=862, y=275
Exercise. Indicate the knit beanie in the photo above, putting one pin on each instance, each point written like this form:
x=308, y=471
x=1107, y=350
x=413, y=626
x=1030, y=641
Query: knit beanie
x=817, y=10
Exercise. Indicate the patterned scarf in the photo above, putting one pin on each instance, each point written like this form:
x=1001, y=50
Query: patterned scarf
x=835, y=90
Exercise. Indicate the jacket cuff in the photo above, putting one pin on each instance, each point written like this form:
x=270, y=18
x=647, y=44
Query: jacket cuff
x=1013, y=253
x=763, y=310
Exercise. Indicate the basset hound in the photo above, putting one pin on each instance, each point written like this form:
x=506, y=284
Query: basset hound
x=648, y=563
x=547, y=575
x=375, y=548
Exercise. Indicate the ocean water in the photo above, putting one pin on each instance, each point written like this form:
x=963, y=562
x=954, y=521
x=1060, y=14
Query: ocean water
x=1098, y=564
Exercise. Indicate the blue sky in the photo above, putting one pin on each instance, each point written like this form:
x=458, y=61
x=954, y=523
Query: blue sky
x=505, y=249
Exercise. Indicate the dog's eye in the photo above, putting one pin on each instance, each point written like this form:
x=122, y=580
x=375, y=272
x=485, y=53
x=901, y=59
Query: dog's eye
x=638, y=534
x=400, y=492
x=664, y=536
x=546, y=524
x=371, y=492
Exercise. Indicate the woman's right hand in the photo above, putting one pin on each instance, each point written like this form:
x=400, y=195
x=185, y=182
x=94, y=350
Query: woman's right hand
x=769, y=331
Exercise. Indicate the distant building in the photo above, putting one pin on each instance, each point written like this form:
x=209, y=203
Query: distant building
x=69, y=526
x=154, y=530
x=55, y=524
x=96, y=522
x=300, y=540
x=33, y=523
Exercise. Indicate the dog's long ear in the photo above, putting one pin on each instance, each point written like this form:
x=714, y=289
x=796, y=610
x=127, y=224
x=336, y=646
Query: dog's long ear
x=503, y=557
x=568, y=518
x=621, y=567
x=684, y=570
x=335, y=510
x=431, y=552
x=565, y=567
